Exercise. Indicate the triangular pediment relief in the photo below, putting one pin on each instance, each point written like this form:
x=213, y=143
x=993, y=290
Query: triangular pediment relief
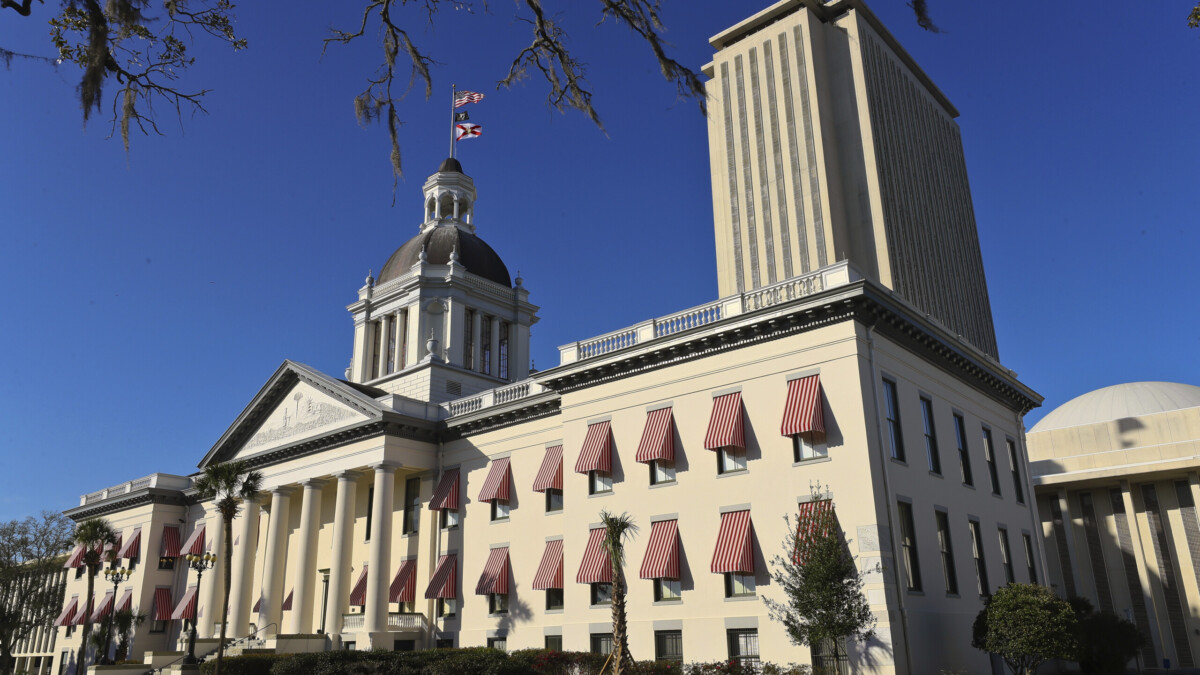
x=303, y=413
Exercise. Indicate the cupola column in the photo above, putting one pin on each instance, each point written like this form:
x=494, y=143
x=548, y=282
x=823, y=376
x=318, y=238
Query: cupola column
x=456, y=207
x=476, y=344
x=494, y=366
x=384, y=324
x=401, y=329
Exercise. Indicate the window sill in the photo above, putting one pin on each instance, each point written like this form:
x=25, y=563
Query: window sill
x=952, y=595
x=498, y=521
x=969, y=485
x=668, y=603
x=607, y=605
x=936, y=474
x=557, y=512
x=554, y=611
x=916, y=591
x=814, y=460
x=997, y=495
x=663, y=484
x=901, y=462
x=498, y=615
x=730, y=474
x=601, y=494
x=742, y=598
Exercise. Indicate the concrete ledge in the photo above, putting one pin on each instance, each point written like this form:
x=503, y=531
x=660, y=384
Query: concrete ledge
x=300, y=644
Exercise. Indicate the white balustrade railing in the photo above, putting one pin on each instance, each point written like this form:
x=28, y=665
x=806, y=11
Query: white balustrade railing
x=402, y=621
x=153, y=480
x=353, y=622
x=608, y=343
x=492, y=397
x=687, y=319
x=785, y=291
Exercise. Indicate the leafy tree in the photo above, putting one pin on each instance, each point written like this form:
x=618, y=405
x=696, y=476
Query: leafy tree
x=93, y=535
x=229, y=484
x=617, y=530
x=1026, y=625
x=1106, y=642
x=825, y=601
x=30, y=555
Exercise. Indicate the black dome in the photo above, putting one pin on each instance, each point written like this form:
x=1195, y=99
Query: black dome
x=473, y=253
x=450, y=164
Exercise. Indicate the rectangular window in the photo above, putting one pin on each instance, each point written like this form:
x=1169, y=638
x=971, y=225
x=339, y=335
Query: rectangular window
x=805, y=447
x=505, y=328
x=133, y=562
x=349, y=646
x=469, y=339
x=500, y=643
x=948, y=571
x=391, y=345
x=554, y=500
x=602, y=593
x=486, y=344
x=370, y=510
x=447, y=607
x=731, y=460
x=892, y=410
x=163, y=564
x=908, y=546
x=981, y=580
x=739, y=585
x=599, y=482
x=661, y=471
x=743, y=646
x=1015, y=463
x=554, y=598
x=964, y=459
x=450, y=519
x=500, y=509
x=554, y=642
x=602, y=643
x=1006, y=557
x=155, y=626
x=667, y=590
x=444, y=643
x=931, y=446
x=989, y=455
x=412, y=505
x=668, y=645
x=498, y=603
x=1032, y=568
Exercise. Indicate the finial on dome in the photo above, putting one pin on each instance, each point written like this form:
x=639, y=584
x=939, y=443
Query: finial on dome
x=423, y=257
x=370, y=278
x=519, y=280
x=454, y=255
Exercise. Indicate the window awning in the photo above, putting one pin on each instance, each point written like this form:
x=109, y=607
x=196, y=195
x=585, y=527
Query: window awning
x=133, y=547
x=195, y=543
x=815, y=518
x=596, y=566
x=257, y=605
x=76, y=558
x=735, y=544
x=726, y=428
x=404, y=585
x=550, y=475
x=445, y=579
x=445, y=497
x=126, y=602
x=495, y=573
x=287, y=602
x=162, y=604
x=597, y=449
x=110, y=550
x=104, y=609
x=170, y=541
x=662, y=553
x=186, y=609
x=358, y=595
x=68, y=613
x=550, y=572
x=83, y=614
x=658, y=438
x=804, y=411
x=496, y=487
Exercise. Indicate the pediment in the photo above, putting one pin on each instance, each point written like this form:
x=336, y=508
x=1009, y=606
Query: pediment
x=304, y=412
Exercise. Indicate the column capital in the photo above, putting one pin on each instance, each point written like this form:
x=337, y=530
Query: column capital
x=385, y=466
x=348, y=475
x=283, y=491
x=313, y=483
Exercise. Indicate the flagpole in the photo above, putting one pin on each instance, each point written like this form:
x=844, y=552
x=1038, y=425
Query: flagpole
x=453, y=93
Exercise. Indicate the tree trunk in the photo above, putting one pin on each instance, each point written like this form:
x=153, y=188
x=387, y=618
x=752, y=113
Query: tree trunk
x=227, y=554
x=621, y=658
x=80, y=666
x=6, y=659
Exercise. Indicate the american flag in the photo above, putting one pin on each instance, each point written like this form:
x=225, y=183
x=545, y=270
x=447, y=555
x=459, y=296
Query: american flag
x=467, y=131
x=465, y=97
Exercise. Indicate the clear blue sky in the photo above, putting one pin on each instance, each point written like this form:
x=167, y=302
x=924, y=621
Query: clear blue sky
x=146, y=298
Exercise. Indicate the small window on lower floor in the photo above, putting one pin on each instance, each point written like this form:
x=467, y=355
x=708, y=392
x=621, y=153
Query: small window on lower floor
x=554, y=500
x=599, y=482
x=447, y=607
x=739, y=585
x=743, y=646
x=79, y=570
x=406, y=607
x=662, y=471
x=500, y=643
x=808, y=446
x=667, y=590
x=498, y=603
x=349, y=646
x=829, y=656
x=602, y=593
x=602, y=643
x=450, y=519
x=554, y=598
x=668, y=645
x=554, y=642
x=731, y=460
x=500, y=510
x=133, y=562
x=444, y=643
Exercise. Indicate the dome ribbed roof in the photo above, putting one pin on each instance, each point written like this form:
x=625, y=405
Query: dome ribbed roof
x=1120, y=401
x=473, y=254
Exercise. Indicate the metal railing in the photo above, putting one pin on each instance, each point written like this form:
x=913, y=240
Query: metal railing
x=201, y=657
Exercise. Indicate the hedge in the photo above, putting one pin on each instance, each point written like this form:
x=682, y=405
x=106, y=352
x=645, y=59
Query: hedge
x=248, y=664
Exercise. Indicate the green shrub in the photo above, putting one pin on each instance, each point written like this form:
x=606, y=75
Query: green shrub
x=247, y=664
x=1106, y=642
x=719, y=668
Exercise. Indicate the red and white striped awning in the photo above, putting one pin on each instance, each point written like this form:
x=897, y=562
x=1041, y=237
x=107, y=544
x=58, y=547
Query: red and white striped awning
x=550, y=474
x=596, y=566
x=726, y=428
x=662, y=553
x=358, y=595
x=804, y=411
x=550, y=571
x=445, y=497
x=105, y=608
x=495, y=573
x=257, y=605
x=195, y=543
x=170, y=542
x=496, y=487
x=110, y=551
x=445, y=579
x=64, y=619
x=82, y=614
x=287, y=602
x=597, y=449
x=735, y=544
x=133, y=547
x=404, y=585
x=815, y=518
x=126, y=602
x=658, y=438
x=76, y=559
x=186, y=609
x=162, y=604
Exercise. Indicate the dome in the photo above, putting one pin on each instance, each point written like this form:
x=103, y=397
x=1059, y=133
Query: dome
x=1119, y=402
x=450, y=164
x=473, y=254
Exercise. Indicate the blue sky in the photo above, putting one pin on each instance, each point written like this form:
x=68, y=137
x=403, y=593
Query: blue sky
x=147, y=297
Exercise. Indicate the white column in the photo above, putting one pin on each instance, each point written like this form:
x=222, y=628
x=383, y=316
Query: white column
x=379, y=560
x=214, y=580
x=477, y=341
x=384, y=321
x=300, y=620
x=276, y=563
x=401, y=328
x=495, y=364
x=245, y=527
x=364, y=367
x=343, y=546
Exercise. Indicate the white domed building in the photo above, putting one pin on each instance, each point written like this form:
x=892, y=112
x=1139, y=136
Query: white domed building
x=1121, y=451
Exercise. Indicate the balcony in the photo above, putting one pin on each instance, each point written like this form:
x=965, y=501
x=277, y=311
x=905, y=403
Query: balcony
x=398, y=622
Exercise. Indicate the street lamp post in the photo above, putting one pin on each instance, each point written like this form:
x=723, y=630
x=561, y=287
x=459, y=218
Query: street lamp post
x=200, y=563
x=116, y=576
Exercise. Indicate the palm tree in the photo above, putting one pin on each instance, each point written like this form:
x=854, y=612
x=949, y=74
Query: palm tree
x=229, y=484
x=125, y=621
x=617, y=530
x=93, y=535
